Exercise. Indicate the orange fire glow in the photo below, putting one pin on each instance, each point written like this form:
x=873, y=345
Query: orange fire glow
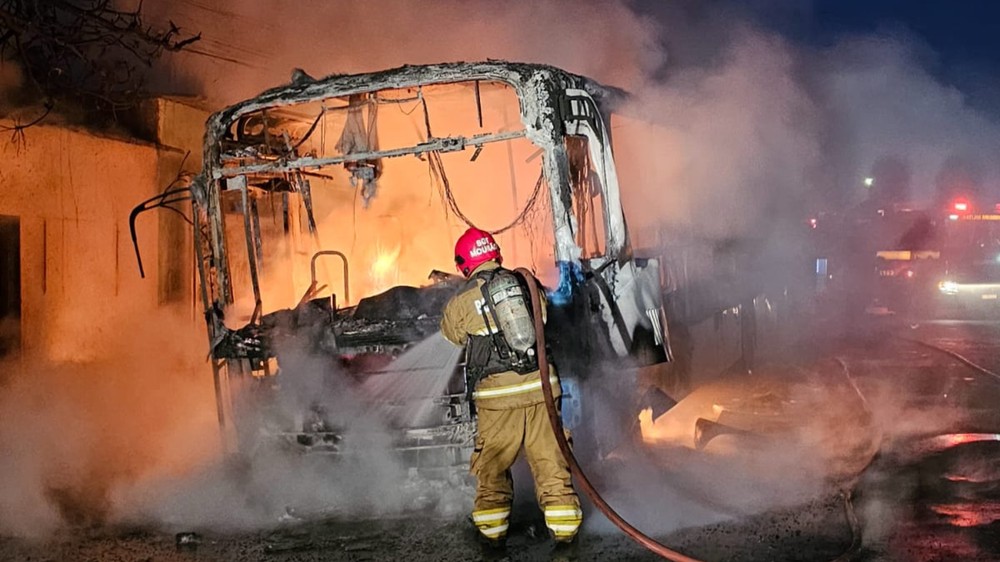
x=384, y=270
x=667, y=429
x=968, y=514
x=408, y=228
x=650, y=432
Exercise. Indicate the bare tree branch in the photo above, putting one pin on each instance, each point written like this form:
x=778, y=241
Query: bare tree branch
x=85, y=51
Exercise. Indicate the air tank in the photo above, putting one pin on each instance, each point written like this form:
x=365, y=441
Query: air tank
x=511, y=306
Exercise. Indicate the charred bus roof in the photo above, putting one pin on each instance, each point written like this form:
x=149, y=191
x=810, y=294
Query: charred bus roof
x=538, y=87
x=552, y=105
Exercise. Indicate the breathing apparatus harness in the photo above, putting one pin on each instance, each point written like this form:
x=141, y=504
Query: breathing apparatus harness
x=509, y=342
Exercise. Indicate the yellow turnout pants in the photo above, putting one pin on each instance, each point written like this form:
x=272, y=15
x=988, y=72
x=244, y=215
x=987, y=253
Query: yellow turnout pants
x=502, y=434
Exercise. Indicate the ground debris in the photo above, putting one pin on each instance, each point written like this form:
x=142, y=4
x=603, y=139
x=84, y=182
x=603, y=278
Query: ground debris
x=318, y=536
x=294, y=539
x=187, y=540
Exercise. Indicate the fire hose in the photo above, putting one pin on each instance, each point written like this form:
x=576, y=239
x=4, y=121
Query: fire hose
x=554, y=419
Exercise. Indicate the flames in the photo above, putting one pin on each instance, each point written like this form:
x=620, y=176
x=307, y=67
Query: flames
x=411, y=211
x=664, y=430
x=383, y=273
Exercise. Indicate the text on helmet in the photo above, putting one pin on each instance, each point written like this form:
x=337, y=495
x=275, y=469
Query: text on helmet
x=483, y=246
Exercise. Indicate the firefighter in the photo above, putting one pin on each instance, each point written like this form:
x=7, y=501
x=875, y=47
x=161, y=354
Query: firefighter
x=502, y=370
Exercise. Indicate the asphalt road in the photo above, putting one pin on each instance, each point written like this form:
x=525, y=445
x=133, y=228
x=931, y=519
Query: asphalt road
x=921, y=497
x=927, y=498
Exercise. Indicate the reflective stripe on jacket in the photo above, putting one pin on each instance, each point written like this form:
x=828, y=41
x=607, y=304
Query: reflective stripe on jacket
x=500, y=391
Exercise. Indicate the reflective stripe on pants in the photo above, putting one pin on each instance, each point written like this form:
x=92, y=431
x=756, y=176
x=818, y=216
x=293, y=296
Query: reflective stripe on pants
x=492, y=523
x=563, y=520
x=502, y=434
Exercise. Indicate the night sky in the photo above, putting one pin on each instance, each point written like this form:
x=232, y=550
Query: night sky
x=960, y=30
x=963, y=35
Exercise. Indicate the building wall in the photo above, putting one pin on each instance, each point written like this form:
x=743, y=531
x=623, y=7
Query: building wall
x=180, y=123
x=72, y=191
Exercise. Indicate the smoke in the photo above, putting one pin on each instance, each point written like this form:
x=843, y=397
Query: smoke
x=131, y=437
x=753, y=131
x=268, y=39
x=270, y=480
x=73, y=432
x=772, y=131
x=789, y=435
x=883, y=99
x=738, y=143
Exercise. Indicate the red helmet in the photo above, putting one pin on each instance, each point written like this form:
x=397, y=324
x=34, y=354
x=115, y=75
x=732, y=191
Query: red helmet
x=475, y=248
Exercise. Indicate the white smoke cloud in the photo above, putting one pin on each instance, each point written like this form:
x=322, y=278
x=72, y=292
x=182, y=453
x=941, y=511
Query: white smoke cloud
x=73, y=432
x=754, y=129
x=880, y=96
x=743, y=138
x=759, y=128
x=268, y=38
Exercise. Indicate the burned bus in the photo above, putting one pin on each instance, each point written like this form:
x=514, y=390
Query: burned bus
x=325, y=219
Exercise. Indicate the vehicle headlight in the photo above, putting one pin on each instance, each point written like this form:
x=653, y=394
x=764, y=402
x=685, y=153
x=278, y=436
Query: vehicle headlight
x=948, y=287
